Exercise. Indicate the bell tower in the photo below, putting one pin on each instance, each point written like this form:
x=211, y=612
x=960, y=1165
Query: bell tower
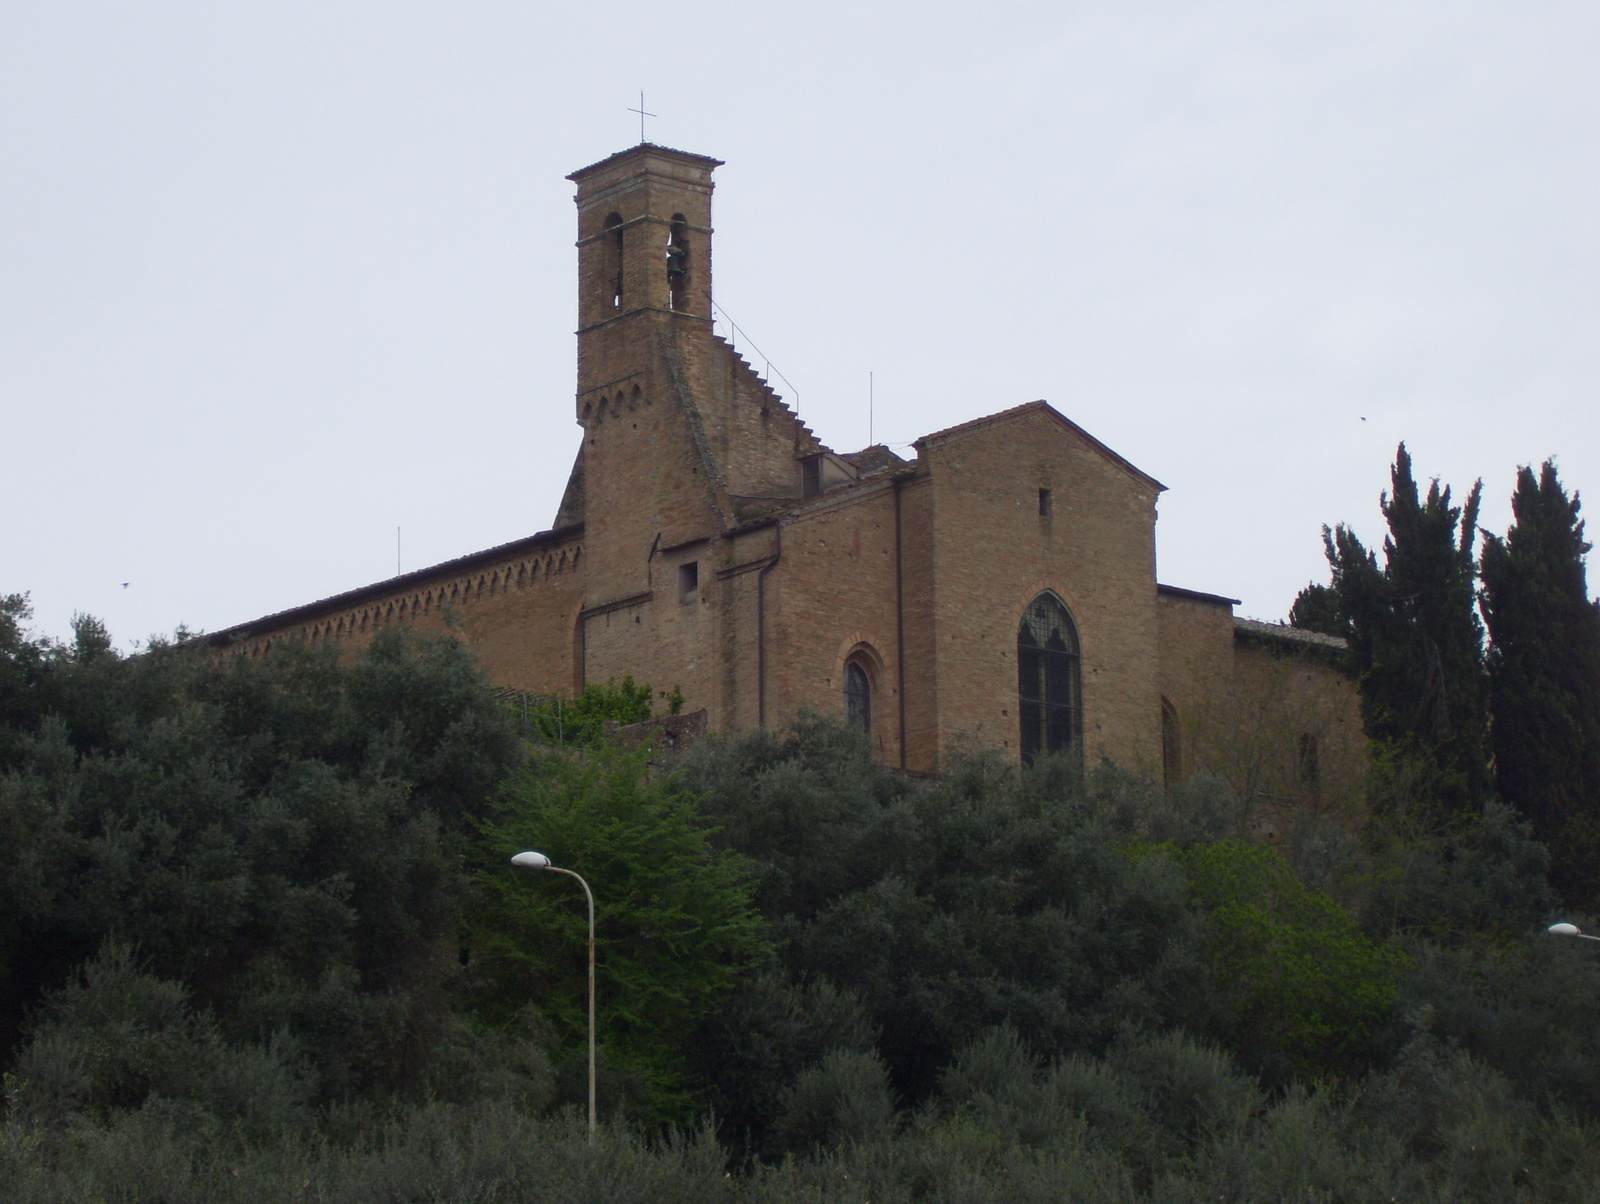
x=646, y=344
x=644, y=236
x=644, y=335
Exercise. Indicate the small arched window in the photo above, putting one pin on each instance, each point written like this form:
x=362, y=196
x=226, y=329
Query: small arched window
x=613, y=261
x=1049, y=689
x=858, y=698
x=678, y=263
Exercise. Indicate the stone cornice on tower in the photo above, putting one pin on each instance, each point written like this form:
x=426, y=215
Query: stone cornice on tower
x=643, y=150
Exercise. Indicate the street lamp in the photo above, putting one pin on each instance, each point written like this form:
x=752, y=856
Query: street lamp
x=538, y=861
x=1565, y=929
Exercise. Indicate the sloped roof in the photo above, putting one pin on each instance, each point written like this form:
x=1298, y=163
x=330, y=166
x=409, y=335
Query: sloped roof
x=448, y=568
x=1282, y=633
x=871, y=459
x=1045, y=407
x=1195, y=595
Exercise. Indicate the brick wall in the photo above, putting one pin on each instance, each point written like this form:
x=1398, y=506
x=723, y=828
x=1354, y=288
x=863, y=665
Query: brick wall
x=1283, y=696
x=833, y=598
x=1196, y=642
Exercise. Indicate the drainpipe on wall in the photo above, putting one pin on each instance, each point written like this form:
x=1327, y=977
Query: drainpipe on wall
x=900, y=620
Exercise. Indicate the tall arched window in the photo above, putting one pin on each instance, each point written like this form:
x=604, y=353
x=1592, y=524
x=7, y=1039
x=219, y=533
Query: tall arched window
x=858, y=697
x=1049, y=689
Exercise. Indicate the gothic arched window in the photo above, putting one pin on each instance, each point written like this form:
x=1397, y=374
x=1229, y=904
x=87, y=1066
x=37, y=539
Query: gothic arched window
x=1049, y=689
x=858, y=697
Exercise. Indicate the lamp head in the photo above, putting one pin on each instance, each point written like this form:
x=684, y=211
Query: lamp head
x=531, y=860
x=1565, y=929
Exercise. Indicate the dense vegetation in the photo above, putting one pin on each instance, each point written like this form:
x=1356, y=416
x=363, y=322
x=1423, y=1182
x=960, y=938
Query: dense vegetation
x=260, y=939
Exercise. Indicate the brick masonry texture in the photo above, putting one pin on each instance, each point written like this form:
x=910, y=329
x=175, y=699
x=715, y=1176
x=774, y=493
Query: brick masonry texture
x=708, y=541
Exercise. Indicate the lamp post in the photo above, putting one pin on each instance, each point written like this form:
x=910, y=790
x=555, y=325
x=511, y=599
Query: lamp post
x=1565, y=929
x=538, y=861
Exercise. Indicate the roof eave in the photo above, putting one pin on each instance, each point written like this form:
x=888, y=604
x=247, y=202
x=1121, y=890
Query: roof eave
x=337, y=602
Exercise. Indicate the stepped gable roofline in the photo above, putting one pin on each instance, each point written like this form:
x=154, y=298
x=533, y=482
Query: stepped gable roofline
x=448, y=568
x=640, y=149
x=1282, y=633
x=1194, y=595
x=1015, y=412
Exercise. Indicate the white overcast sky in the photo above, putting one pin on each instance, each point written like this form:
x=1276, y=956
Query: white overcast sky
x=276, y=279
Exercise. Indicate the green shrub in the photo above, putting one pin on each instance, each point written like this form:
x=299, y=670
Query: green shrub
x=1313, y=990
x=675, y=928
x=586, y=719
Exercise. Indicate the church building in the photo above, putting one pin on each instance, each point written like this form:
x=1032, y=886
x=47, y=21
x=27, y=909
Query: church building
x=996, y=589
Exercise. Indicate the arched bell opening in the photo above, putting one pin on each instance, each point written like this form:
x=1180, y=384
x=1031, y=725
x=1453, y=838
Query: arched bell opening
x=613, y=260
x=678, y=263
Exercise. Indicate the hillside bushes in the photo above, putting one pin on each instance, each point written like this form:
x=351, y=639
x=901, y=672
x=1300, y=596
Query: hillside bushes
x=262, y=941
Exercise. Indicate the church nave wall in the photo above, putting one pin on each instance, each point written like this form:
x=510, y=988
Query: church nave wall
x=1023, y=504
x=515, y=613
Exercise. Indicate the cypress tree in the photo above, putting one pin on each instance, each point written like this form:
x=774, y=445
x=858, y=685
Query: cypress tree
x=1316, y=608
x=1544, y=674
x=1416, y=645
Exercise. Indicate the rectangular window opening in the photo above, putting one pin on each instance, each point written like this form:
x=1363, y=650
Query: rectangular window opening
x=1044, y=502
x=811, y=476
x=688, y=581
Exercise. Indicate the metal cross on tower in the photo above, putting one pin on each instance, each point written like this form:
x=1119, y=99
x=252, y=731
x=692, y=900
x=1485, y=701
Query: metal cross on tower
x=642, y=115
